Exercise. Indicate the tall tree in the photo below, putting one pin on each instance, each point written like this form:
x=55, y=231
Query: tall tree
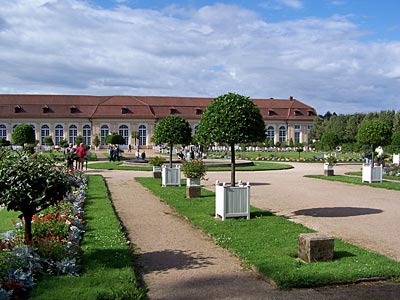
x=172, y=130
x=231, y=119
x=374, y=133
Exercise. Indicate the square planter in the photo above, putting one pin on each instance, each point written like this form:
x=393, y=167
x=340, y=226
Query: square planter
x=371, y=173
x=232, y=201
x=193, y=188
x=171, y=176
x=396, y=159
x=328, y=170
x=156, y=172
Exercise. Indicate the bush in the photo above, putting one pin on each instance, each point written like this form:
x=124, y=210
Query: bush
x=157, y=161
x=194, y=169
x=23, y=134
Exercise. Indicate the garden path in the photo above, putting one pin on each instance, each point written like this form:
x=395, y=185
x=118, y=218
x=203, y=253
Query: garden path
x=180, y=262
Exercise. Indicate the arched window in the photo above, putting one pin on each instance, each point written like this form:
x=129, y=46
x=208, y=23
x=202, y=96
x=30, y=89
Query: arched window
x=297, y=133
x=58, y=134
x=282, y=134
x=104, y=131
x=87, y=135
x=124, y=132
x=72, y=134
x=142, y=135
x=271, y=133
x=44, y=132
x=3, y=131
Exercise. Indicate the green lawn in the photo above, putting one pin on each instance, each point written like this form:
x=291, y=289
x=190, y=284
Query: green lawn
x=357, y=180
x=258, y=166
x=384, y=176
x=7, y=218
x=269, y=243
x=107, y=260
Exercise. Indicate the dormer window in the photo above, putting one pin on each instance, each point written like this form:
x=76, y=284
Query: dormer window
x=172, y=110
x=124, y=110
x=310, y=113
x=297, y=113
x=18, y=109
x=73, y=109
x=199, y=111
x=46, y=109
x=271, y=112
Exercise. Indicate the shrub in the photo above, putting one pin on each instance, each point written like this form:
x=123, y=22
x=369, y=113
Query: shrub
x=157, y=161
x=194, y=169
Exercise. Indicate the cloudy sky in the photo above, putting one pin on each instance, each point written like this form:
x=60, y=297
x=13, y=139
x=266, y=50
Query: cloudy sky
x=336, y=55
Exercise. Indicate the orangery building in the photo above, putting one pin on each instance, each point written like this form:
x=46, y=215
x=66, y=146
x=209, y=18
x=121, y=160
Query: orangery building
x=67, y=116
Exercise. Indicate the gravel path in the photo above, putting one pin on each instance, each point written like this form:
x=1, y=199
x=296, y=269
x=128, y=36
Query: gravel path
x=180, y=262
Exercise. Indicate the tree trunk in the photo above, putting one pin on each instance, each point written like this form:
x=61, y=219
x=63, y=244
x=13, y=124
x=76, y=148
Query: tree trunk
x=233, y=169
x=28, y=228
x=170, y=155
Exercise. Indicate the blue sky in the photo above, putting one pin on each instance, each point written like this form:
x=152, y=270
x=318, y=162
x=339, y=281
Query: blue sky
x=336, y=55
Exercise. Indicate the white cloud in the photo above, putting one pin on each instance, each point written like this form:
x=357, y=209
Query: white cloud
x=67, y=46
x=280, y=4
x=297, y=4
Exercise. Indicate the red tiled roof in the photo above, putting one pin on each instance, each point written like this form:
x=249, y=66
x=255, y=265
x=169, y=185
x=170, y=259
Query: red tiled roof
x=137, y=107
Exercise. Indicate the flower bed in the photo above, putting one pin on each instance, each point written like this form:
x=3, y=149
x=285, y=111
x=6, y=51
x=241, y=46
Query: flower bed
x=55, y=248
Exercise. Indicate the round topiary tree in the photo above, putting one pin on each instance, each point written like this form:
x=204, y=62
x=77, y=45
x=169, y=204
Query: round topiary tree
x=115, y=139
x=231, y=119
x=23, y=134
x=31, y=184
x=374, y=133
x=172, y=130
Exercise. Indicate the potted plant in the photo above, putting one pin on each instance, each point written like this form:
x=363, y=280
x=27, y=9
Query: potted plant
x=157, y=162
x=194, y=171
x=329, y=161
x=96, y=142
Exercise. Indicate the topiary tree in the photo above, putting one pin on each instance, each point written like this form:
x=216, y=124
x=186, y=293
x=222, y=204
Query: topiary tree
x=78, y=140
x=4, y=142
x=48, y=140
x=96, y=141
x=31, y=184
x=114, y=138
x=231, y=119
x=374, y=133
x=135, y=135
x=63, y=143
x=23, y=134
x=172, y=130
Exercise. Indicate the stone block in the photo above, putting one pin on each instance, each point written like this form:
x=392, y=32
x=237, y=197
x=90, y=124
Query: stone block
x=329, y=172
x=315, y=247
x=157, y=174
x=193, y=191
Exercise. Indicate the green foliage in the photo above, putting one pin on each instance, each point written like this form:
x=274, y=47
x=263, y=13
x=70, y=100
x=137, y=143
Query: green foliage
x=63, y=143
x=4, y=142
x=96, y=140
x=231, y=119
x=23, y=134
x=329, y=140
x=396, y=142
x=374, y=133
x=157, y=161
x=173, y=130
x=78, y=140
x=194, y=169
x=30, y=184
x=48, y=140
x=115, y=139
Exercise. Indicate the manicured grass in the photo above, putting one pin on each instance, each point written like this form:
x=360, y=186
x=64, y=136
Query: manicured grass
x=107, y=260
x=384, y=176
x=357, y=180
x=258, y=166
x=6, y=219
x=269, y=243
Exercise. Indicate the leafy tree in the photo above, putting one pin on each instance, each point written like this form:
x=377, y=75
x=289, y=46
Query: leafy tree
x=318, y=128
x=329, y=140
x=396, y=122
x=374, y=133
x=23, y=134
x=96, y=141
x=115, y=138
x=396, y=142
x=135, y=136
x=31, y=184
x=63, y=143
x=172, y=130
x=231, y=119
x=4, y=142
x=78, y=140
x=48, y=140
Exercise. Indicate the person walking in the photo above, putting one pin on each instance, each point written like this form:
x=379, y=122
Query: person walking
x=81, y=152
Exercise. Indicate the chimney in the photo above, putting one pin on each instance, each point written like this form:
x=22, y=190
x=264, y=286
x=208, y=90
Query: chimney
x=291, y=98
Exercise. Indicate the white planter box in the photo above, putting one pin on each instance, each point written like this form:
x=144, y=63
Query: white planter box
x=328, y=167
x=171, y=176
x=396, y=159
x=371, y=173
x=192, y=181
x=156, y=169
x=232, y=201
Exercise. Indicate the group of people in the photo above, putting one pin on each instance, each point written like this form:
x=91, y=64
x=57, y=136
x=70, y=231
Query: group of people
x=140, y=155
x=78, y=154
x=114, y=153
x=190, y=153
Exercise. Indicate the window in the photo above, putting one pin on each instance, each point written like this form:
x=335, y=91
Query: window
x=172, y=110
x=199, y=111
x=124, y=110
x=271, y=112
x=297, y=113
x=282, y=134
x=271, y=133
x=58, y=134
x=44, y=132
x=46, y=110
x=18, y=109
x=87, y=135
x=72, y=134
x=124, y=132
x=104, y=131
x=3, y=131
x=142, y=135
x=297, y=133
x=73, y=109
